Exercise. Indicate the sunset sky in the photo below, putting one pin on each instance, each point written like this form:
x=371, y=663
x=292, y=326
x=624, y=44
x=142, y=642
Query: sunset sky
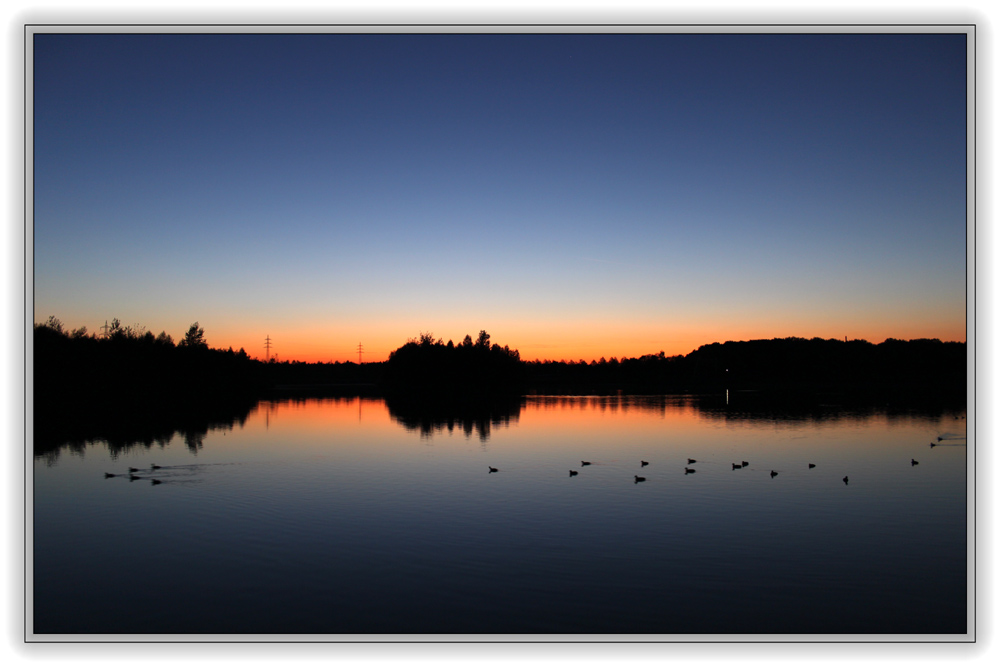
x=577, y=196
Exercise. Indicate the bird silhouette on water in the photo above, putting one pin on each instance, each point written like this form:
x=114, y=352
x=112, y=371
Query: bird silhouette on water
x=745, y=464
x=108, y=474
x=153, y=466
x=573, y=472
x=132, y=477
x=156, y=481
x=691, y=461
x=643, y=464
x=585, y=463
x=845, y=479
x=133, y=470
x=914, y=462
x=688, y=471
x=492, y=469
x=812, y=465
x=736, y=466
x=774, y=474
x=639, y=479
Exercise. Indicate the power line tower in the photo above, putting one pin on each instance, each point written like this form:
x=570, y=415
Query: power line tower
x=360, y=350
x=267, y=347
x=105, y=328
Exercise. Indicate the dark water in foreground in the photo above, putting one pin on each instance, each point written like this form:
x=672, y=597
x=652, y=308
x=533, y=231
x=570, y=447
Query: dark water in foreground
x=335, y=516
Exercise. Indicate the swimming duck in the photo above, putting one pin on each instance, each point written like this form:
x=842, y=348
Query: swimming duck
x=108, y=474
x=643, y=464
x=914, y=462
x=688, y=471
x=639, y=479
x=845, y=479
x=774, y=474
x=736, y=466
x=153, y=466
x=156, y=481
x=492, y=469
x=573, y=472
x=585, y=463
x=133, y=470
x=812, y=465
x=691, y=461
x=745, y=464
x=132, y=477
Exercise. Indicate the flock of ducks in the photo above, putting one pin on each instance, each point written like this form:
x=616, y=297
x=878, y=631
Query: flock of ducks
x=572, y=473
x=688, y=471
x=133, y=477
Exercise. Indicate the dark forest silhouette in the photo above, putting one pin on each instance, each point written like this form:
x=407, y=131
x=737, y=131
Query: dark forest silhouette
x=476, y=366
x=129, y=380
x=915, y=368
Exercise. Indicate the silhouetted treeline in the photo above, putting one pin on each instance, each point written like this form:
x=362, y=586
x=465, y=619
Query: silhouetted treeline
x=916, y=367
x=87, y=386
x=471, y=366
x=130, y=365
x=333, y=377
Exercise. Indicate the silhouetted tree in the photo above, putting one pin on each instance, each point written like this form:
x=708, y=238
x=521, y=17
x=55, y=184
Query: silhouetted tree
x=54, y=323
x=118, y=333
x=195, y=337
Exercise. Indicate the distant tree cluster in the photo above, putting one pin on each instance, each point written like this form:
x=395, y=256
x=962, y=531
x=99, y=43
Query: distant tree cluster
x=119, y=336
x=919, y=363
x=127, y=366
x=424, y=362
x=927, y=365
x=648, y=372
x=129, y=371
x=323, y=376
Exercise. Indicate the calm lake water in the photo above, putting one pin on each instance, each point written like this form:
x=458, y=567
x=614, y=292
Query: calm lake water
x=343, y=515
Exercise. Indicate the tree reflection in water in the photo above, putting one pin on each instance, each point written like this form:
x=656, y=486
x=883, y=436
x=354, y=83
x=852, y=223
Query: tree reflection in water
x=475, y=415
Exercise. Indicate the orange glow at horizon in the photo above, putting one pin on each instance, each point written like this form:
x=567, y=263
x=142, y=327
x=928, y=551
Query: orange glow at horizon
x=571, y=423
x=587, y=344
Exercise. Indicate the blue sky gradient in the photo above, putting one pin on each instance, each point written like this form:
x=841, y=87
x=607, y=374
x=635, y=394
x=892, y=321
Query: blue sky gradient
x=575, y=195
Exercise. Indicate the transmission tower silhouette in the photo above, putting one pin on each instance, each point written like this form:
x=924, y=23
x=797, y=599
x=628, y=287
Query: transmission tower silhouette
x=360, y=349
x=267, y=347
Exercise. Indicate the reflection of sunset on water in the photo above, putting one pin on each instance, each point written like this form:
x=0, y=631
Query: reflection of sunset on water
x=661, y=428
x=744, y=215
x=351, y=492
